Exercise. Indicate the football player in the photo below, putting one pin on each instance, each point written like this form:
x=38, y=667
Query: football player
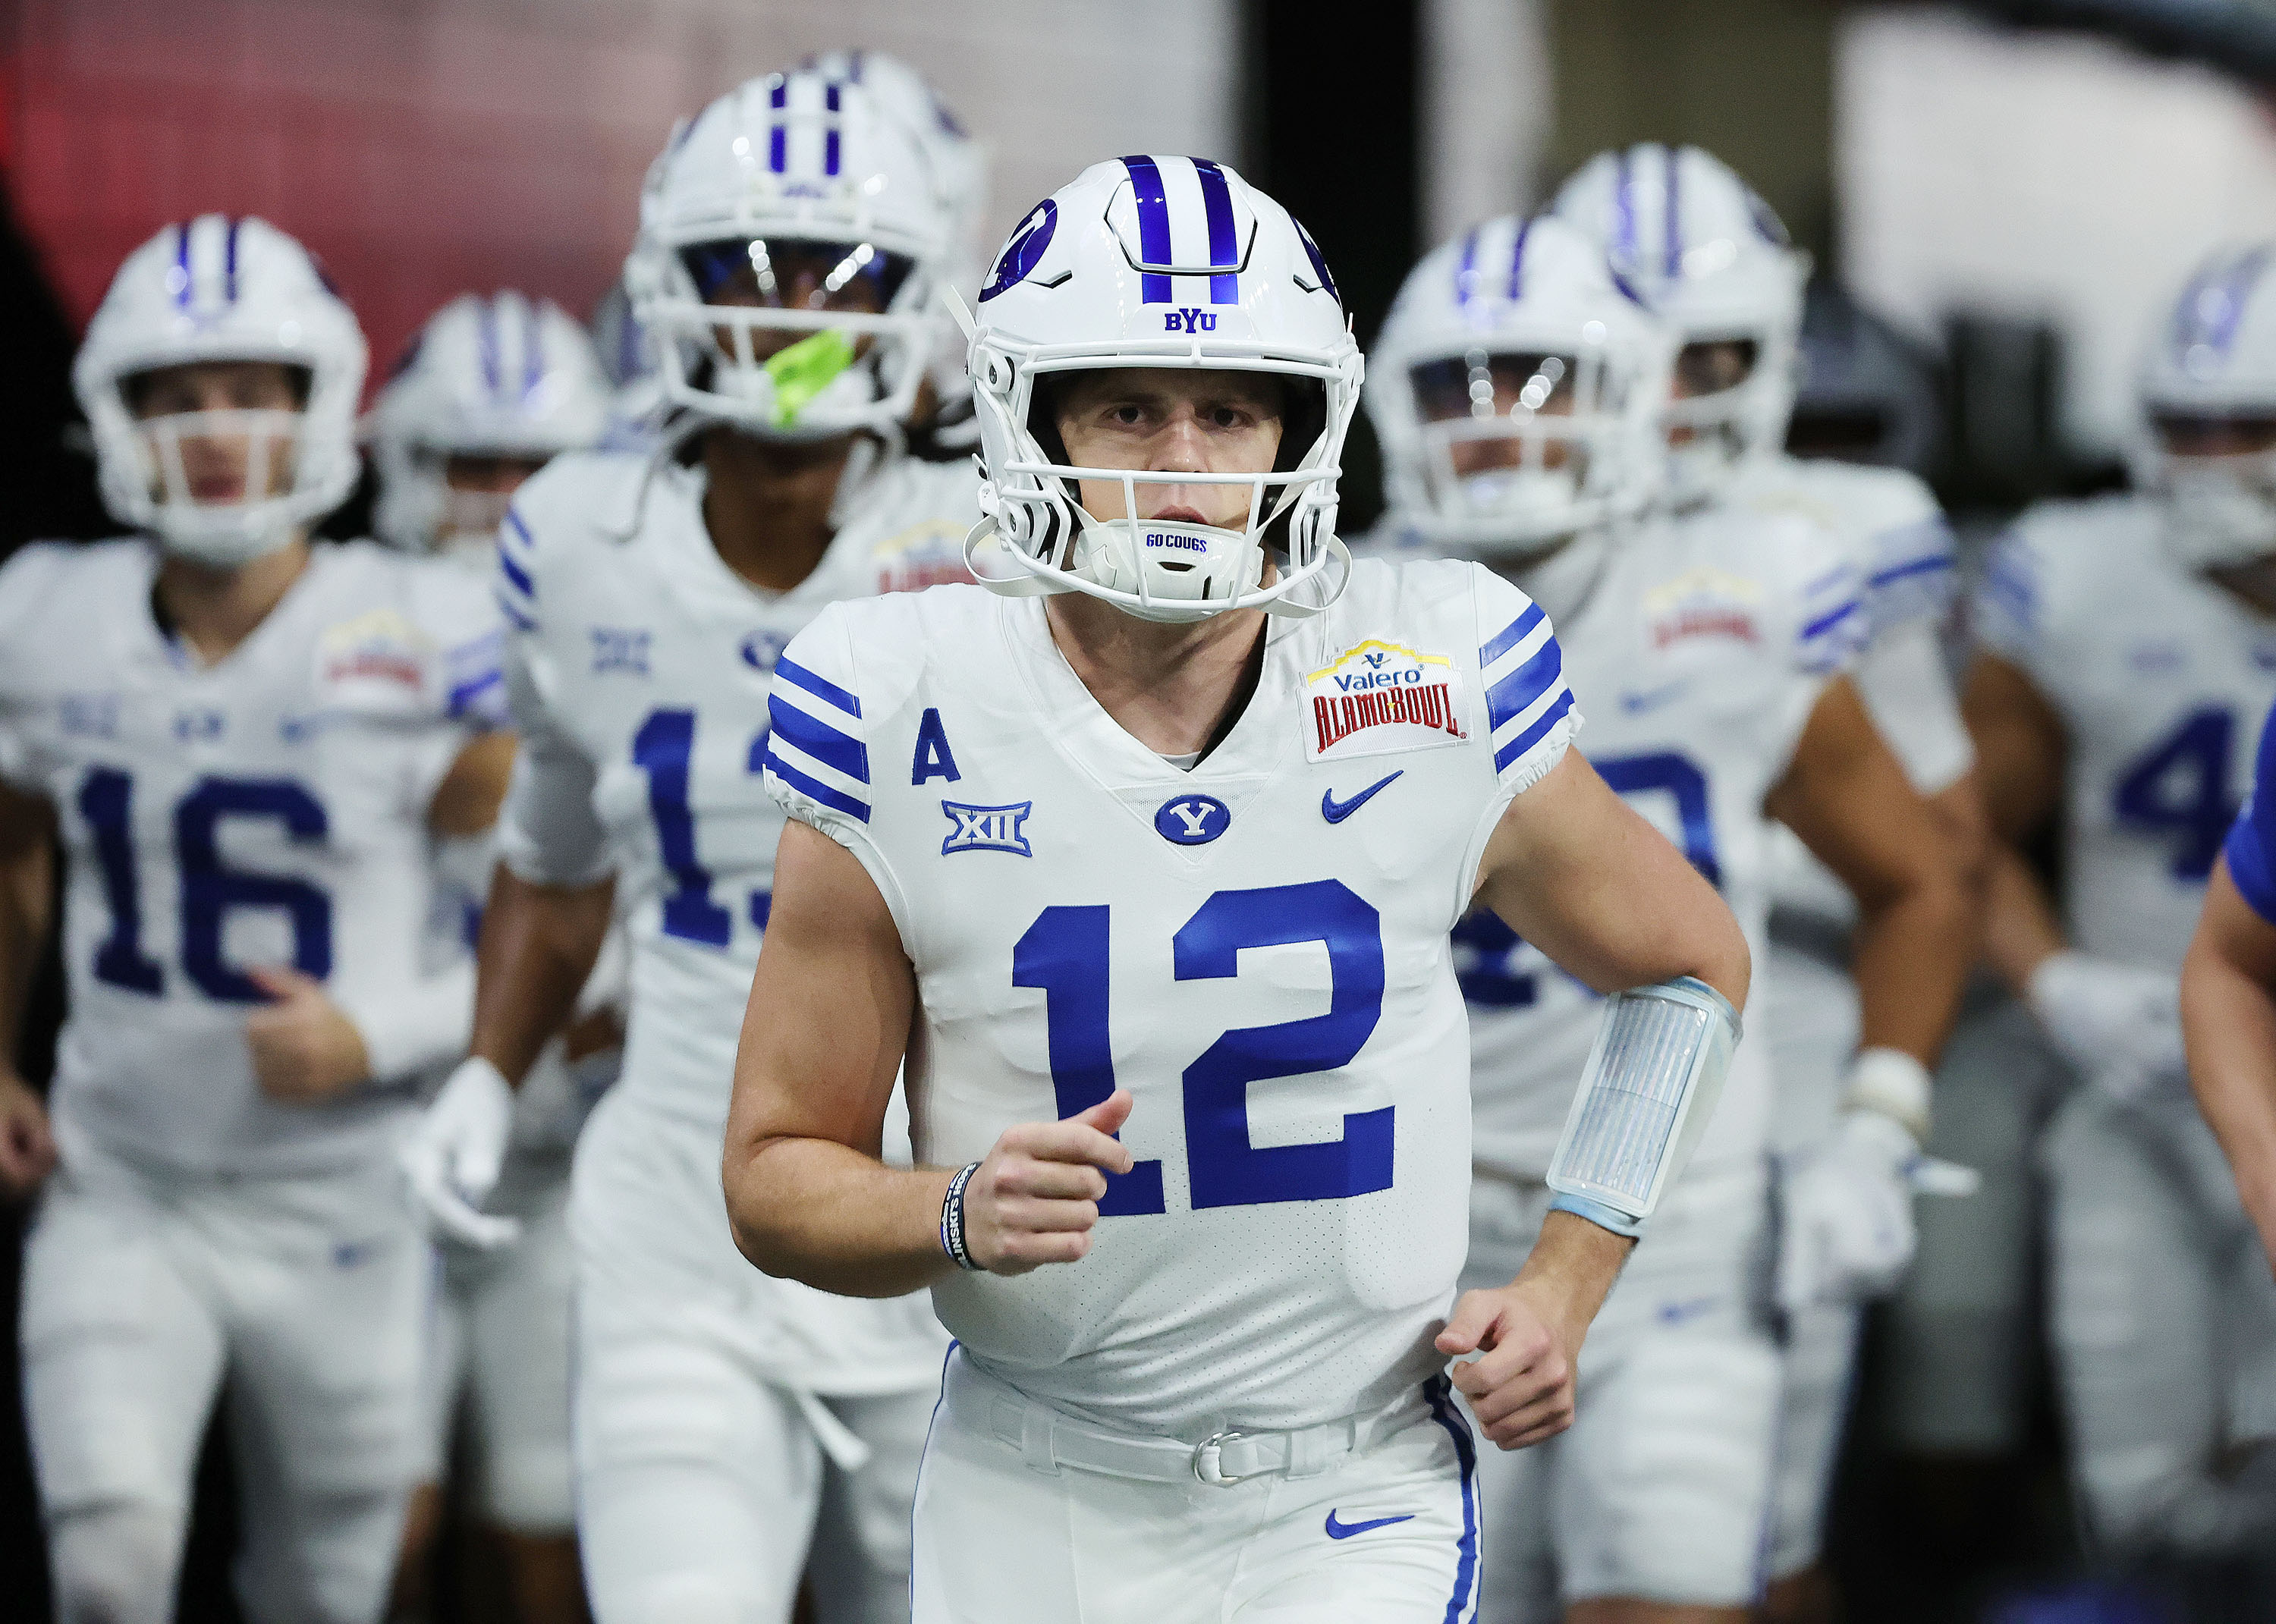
x=1519, y=391
x=243, y=744
x=1149, y=881
x=2129, y=646
x=2228, y=997
x=725, y=1424
x=1691, y=239
x=491, y=388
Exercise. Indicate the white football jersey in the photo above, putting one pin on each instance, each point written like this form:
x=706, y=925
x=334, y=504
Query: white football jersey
x=643, y=662
x=2160, y=679
x=1256, y=948
x=1697, y=653
x=270, y=809
x=1903, y=550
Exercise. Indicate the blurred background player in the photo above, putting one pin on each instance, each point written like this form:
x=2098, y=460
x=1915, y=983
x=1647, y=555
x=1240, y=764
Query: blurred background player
x=244, y=744
x=1521, y=394
x=1710, y=259
x=1202, y=1374
x=2228, y=1000
x=2129, y=646
x=726, y=1424
x=493, y=388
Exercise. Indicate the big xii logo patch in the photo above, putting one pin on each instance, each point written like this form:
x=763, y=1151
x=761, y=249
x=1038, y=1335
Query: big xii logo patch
x=1379, y=697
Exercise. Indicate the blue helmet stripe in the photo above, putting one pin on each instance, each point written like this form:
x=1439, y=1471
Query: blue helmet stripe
x=1224, y=240
x=1624, y=233
x=1465, y=271
x=1153, y=228
x=229, y=261
x=533, y=352
x=830, y=141
x=778, y=138
x=1517, y=264
x=1672, y=249
x=182, y=264
x=486, y=343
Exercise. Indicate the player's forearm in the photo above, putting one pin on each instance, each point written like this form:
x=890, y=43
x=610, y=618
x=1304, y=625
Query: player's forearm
x=1910, y=959
x=2021, y=931
x=26, y=902
x=2228, y=1023
x=824, y=1213
x=538, y=945
x=1571, y=1270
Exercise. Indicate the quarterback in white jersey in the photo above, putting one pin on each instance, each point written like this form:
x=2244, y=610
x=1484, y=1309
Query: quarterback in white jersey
x=244, y=745
x=1174, y=857
x=1695, y=243
x=1519, y=393
x=490, y=389
x=726, y=1425
x=2130, y=651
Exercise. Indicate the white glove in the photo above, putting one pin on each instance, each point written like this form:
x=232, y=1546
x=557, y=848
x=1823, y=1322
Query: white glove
x=1847, y=1229
x=455, y=1150
x=2108, y=1019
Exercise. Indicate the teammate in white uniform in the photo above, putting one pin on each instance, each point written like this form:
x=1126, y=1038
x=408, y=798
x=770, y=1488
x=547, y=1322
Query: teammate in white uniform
x=492, y=388
x=243, y=744
x=1519, y=393
x=725, y=1424
x=2130, y=651
x=1176, y=849
x=1713, y=262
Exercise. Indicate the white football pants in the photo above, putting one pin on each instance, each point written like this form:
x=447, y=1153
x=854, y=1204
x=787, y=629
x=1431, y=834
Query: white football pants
x=710, y=1472
x=1660, y=1488
x=1387, y=1534
x=2165, y=1328
x=498, y=1345
x=143, y=1292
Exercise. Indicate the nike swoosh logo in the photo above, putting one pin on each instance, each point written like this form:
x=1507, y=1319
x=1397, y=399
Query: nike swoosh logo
x=1335, y=811
x=1345, y=1531
x=1635, y=703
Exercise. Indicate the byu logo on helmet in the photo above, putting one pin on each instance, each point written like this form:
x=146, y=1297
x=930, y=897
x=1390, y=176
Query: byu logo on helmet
x=1192, y=820
x=1190, y=319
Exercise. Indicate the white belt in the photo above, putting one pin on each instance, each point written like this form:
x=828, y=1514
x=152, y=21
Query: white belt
x=1052, y=1440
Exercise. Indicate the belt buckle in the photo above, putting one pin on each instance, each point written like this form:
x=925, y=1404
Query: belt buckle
x=1208, y=1451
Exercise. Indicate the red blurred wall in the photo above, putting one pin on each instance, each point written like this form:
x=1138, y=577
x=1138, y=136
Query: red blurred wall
x=420, y=148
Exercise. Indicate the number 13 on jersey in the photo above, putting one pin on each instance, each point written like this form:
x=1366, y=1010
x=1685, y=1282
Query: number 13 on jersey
x=1065, y=954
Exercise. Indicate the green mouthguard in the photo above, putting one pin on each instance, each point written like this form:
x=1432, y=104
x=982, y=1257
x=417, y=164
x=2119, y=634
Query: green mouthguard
x=805, y=369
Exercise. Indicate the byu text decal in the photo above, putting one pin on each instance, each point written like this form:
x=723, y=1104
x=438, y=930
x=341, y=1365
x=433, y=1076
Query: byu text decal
x=1379, y=697
x=1188, y=319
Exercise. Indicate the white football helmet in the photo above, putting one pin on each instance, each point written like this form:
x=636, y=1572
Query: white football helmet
x=1177, y=263
x=636, y=375
x=223, y=289
x=1712, y=261
x=793, y=169
x=2212, y=368
x=505, y=377
x=959, y=169
x=1529, y=309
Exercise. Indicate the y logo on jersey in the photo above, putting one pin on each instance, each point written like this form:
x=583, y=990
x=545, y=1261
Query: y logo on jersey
x=987, y=829
x=1377, y=697
x=1193, y=820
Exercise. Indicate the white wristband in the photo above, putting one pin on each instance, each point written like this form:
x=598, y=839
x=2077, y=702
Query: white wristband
x=1892, y=1082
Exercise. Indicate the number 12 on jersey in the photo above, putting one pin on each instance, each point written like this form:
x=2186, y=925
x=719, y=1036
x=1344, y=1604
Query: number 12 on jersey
x=1065, y=954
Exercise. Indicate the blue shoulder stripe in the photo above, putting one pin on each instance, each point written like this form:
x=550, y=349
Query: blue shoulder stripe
x=807, y=785
x=1508, y=699
x=819, y=687
x=1515, y=633
x=1927, y=565
x=1536, y=734
x=513, y=612
x=1831, y=618
x=819, y=740
x=514, y=572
